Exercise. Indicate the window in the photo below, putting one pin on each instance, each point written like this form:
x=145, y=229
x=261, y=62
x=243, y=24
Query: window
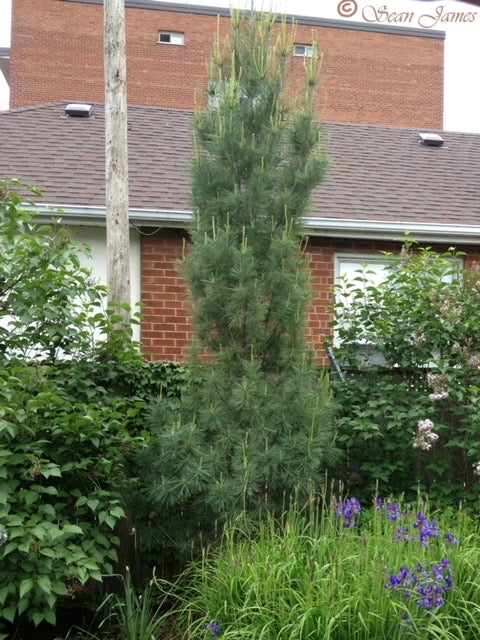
x=348, y=267
x=167, y=37
x=373, y=270
x=218, y=89
x=357, y=278
x=351, y=273
x=303, y=50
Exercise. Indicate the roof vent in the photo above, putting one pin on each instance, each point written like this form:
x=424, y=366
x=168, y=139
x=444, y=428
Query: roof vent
x=78, y=110
x=431, y=139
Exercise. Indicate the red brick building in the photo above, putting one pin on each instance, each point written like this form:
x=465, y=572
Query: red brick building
x=381, y=182
x=372, y=74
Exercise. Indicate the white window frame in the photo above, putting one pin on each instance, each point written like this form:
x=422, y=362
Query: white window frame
x=357, y=261
x=369, y=261
x=175, y=38
x=303, y=50
x=360, y=260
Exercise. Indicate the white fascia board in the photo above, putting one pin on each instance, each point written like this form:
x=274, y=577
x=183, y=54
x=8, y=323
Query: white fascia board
x=95, y=216
x=378, y=230
x=326, y=227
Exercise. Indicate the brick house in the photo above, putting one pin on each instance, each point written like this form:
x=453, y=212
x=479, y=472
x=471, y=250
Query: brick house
x=372, y=73
x=382, y=85
x=382, y=182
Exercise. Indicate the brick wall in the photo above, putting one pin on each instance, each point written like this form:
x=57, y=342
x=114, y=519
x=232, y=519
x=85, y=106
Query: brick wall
x=369, y=77
x=166, y=332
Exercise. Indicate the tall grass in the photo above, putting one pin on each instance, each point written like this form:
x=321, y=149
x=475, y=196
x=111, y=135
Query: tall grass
x=132, y=616
x=327, y=575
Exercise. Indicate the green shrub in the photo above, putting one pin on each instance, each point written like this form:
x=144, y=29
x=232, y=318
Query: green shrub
x=61, y=470
x=423, y=321
x=73, y=391
x=50, y=307
x=68, y=436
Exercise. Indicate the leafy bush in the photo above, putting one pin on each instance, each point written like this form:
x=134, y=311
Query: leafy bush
x=50, y=308
x=423, y=321
x=60, y=462
x=68, y=436
x=71, y=409
x=393, y=571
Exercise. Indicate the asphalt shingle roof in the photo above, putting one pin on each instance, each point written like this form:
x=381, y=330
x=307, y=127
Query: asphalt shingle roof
x=65, y=156
x=375, y=173
x=386, y=174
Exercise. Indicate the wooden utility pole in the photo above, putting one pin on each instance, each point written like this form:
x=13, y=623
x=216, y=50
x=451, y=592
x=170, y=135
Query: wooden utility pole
x=116, y=154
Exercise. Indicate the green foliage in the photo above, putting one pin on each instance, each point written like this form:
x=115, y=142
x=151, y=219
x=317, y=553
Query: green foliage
x=126, y=377
x=311, y=577
x=377, y=413
x=253, y=429
x=71, y=409
x=251, y=454
x=133, y=616
x=423, y=322
x=61, y=468
x=257, y=161
x=49, y=306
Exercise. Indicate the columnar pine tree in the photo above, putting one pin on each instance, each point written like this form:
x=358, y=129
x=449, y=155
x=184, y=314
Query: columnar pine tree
x=253, y=431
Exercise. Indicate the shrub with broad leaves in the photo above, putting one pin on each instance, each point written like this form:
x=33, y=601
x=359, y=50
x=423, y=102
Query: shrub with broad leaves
x=413, y=421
